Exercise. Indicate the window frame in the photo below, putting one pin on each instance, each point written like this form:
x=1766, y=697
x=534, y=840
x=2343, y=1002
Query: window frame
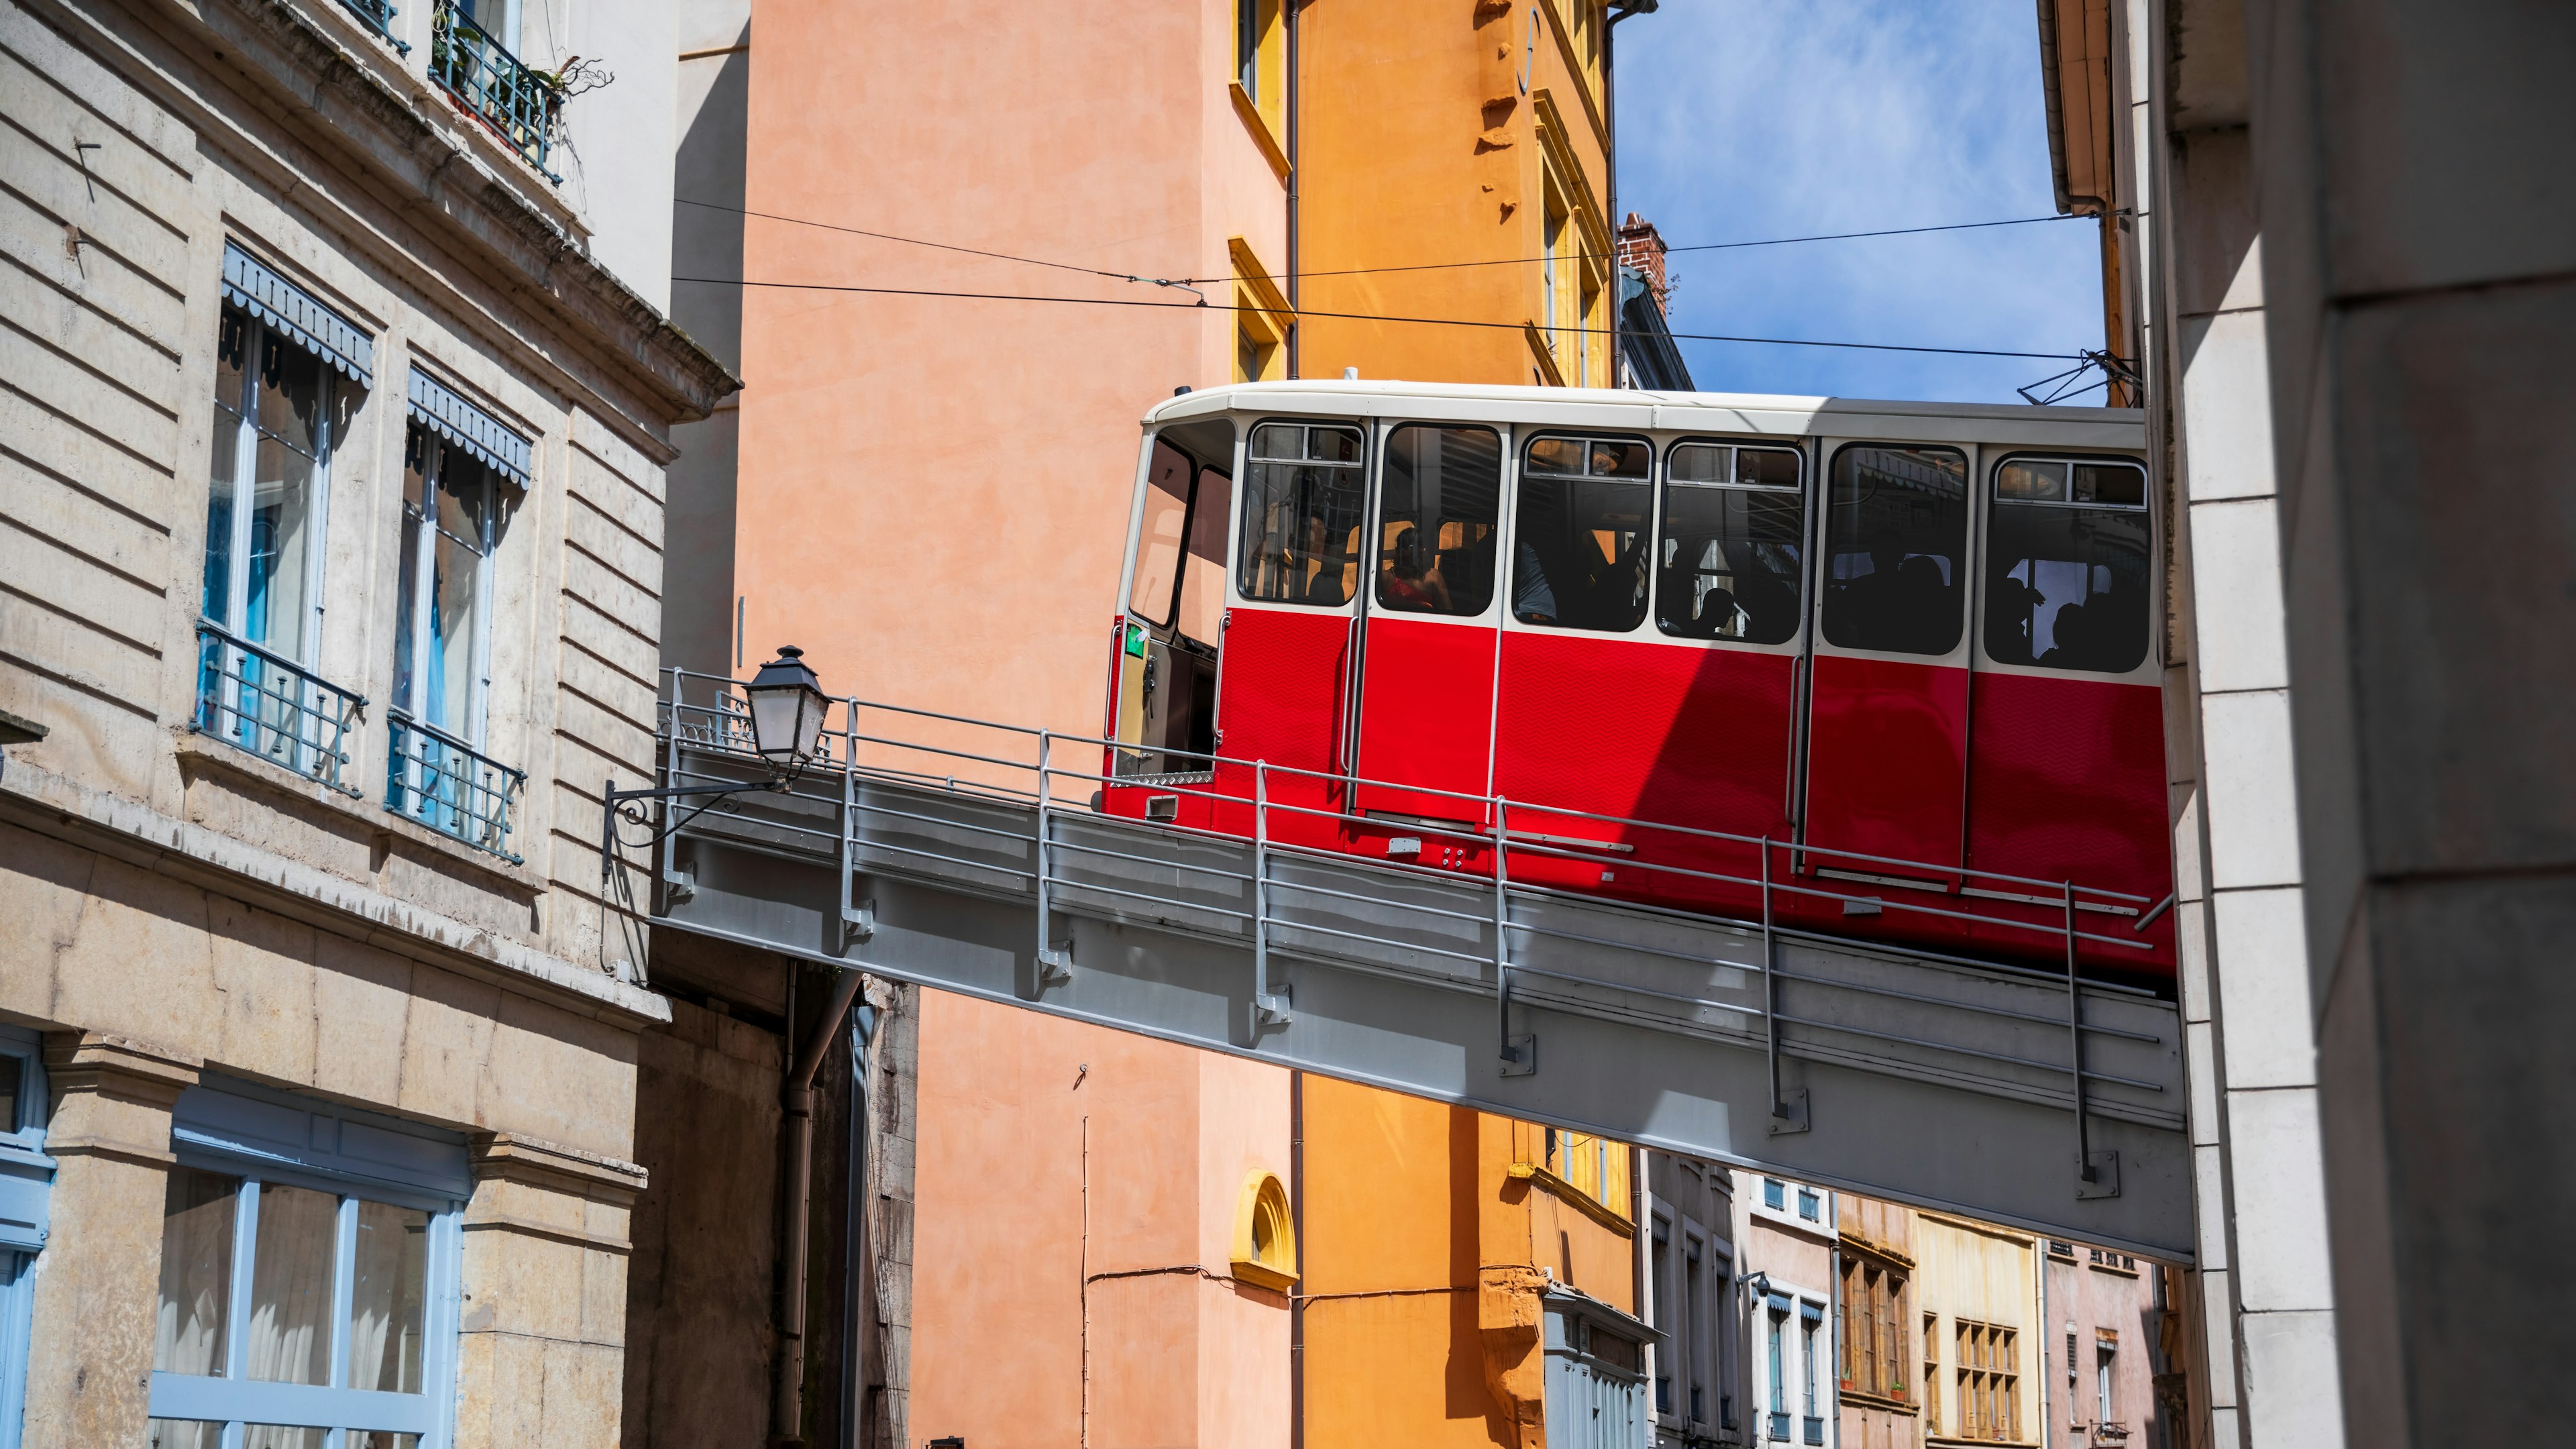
x=257, y=337
x=26, y=1173
x=1829, y=456
x=1238, y=591
x=424, y=528
x=1991, y=462
x=231, y=1398
x=1521, y=439
x=1373, y=528
x=1803, y=490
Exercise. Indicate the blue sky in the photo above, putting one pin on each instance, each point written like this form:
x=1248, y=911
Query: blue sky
x=1745, y=119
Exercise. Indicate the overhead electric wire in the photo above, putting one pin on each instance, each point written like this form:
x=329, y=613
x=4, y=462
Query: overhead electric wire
x=1780, y=241
x=1354, y=316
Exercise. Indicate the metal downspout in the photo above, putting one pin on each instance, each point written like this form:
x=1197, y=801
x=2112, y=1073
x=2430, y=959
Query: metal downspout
x=796, y=1098
x=1288, y=17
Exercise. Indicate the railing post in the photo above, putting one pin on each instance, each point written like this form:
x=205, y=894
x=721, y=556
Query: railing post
x=1269, y=1006
x=858, y=919
x=1054, y=966
x=1519, y=1053
x=2085, y=1174
x=1787, y=1115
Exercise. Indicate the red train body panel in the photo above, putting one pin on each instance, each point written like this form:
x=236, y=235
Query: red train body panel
x=1909, y=645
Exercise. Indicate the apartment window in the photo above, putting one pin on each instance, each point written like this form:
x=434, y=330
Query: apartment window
x=1673, y=1350
x=2106, y=1352
x=1260, y=61
x=1551, y=282
x=1811, y=1328
x=26, y=1174
x=289, y=375
x=304, y=1290
x=1778, y=1378
x=1593, y=1166
x=464, y=474
x=1989, y=1382
x=1265, y=1235
x=1931, y=1379
x=1695, y=1352
x=1775, y=1194
x=1807, y=1203
x=1874, y=1348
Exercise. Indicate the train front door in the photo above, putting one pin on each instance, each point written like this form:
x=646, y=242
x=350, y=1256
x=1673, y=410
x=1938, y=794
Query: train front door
x=1424, y=722
x=1888, y=707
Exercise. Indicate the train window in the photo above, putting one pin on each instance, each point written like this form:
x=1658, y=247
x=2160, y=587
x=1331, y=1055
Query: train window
x=1440, y=512
x=2067, y=560
x=1158, y=536
x=1303, y=492
x=1734, y=532
x=1203, y=562
x=1580, y=534
x=1896, y=534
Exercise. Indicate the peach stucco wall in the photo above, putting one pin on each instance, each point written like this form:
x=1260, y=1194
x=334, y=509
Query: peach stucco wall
x=934, y=491
x=1075, y=1196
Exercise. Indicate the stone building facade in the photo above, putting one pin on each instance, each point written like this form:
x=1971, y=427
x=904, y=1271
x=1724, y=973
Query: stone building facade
x=337, y=402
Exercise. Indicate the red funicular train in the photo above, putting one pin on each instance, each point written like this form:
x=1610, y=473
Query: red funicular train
x=1913, y=644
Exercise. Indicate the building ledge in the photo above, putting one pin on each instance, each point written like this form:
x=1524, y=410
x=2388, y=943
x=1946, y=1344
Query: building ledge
x=63, y=809
x=1259, y=125
x=1583, y=1202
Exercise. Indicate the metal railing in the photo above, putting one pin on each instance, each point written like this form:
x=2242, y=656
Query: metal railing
x=379, y=17
x=446, y=784
x=516, y=101
x=983, y=839
x=272, y=707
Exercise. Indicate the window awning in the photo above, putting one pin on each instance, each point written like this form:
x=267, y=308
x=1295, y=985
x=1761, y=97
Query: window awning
x=289, y=309
x=436, y=407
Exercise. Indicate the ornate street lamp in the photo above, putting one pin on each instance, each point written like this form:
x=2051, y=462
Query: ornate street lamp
x=787, y=707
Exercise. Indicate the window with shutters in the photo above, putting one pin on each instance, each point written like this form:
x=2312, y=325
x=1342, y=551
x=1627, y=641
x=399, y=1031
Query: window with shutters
x=1988, y=1375
x=1874, y=1351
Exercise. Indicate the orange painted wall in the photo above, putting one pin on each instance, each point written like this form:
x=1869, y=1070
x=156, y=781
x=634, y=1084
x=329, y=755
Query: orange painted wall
x=933, y=500
x=1075, y=1194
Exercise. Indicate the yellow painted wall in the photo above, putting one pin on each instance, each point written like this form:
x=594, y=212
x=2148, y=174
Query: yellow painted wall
x=1982, y=1274
x=1427, y=1228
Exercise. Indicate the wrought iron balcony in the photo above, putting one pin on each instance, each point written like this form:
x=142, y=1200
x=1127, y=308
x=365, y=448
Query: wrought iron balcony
x=273, y=707
x=513, y=99
x=379, y=16
x=446, y=784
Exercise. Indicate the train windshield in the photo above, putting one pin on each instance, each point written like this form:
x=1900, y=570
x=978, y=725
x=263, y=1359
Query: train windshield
x=1303, y=494
x=2067, y=552
x=1896, y=532
x=1579, y=554
x=1438, y=519
x=1733, y=535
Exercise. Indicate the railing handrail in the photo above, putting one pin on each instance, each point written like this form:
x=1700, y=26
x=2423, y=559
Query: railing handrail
x=410, y=721
x=851, y=703
x=270, y=656
x=490, y=54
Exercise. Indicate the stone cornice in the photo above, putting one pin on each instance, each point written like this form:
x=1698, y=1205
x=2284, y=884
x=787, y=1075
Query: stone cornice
x=511, y=1157
x=432, y=177
x=56, y=806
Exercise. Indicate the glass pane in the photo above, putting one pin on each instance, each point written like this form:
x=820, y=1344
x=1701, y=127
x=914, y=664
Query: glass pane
x=280, y=1436
x=1700, y=463
x=2031, y=482
x=407, y=597
x=389, y=1298
x=182, y=1434
x=1896, y=529
x=232, y=337
x=1301, y=521
x=291, y=382
x=281, y=532
x=2067, y=588
x=1579, y=557
x=1203, y=570
x=197, y=1214
x=290, y=1291
x=1730, y=563
x=464, y=493
x=1158, y=535
x=2110, y=483
x=1441, y=515
x=449, y=691
x=11, y=1070
x=381, y=1439
x=224, y=454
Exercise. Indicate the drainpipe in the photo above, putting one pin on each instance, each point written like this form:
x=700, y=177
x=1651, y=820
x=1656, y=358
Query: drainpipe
x=1619, y=10
x=1288, y=17
x=796, y=1097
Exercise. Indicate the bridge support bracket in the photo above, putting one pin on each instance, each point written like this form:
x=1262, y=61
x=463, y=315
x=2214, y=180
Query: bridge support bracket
x=1789, y=1113
x=1270, y=1009
x=858, y=923
x=1055, y=965
x=2097, y=1175
x=678, y=885
x=1520, y=1055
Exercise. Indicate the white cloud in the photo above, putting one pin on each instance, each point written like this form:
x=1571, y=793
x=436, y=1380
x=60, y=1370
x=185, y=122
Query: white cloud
x=1745, y=119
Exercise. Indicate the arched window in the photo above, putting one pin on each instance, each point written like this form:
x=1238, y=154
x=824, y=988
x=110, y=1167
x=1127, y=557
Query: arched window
x=1265, y=1238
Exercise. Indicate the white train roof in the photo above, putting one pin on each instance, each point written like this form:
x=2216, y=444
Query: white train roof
x=1611, y=409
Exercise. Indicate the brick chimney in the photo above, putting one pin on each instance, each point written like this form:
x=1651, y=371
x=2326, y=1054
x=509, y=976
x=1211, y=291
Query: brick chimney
x=1642, y=247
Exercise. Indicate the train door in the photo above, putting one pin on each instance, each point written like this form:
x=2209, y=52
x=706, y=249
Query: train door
x=2066, y=752
x=1567, y=738
x=1888, y=705
x=1289, y=637
x=1173, y=625
x=1429, y=624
